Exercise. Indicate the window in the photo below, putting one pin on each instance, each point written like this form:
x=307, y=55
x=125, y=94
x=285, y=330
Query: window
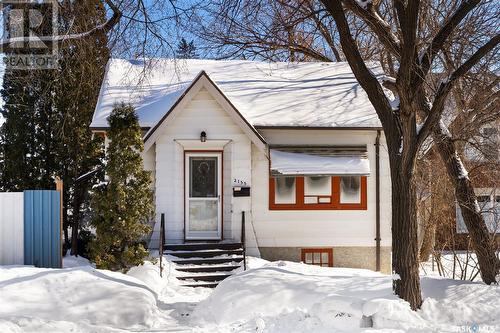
x=318, y=257
x=318, y=193
x=203, y=177
x=490, y=209
x=317, y=190
x=483, y=201
x=285, y=190
x=350, y=190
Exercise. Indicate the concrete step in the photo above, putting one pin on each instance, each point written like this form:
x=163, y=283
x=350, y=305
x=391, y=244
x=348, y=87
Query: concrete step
x=205, y=278
x=207, y=268
x=202, y=246
x=201, y=284
x=203, y=253
x=207, y=261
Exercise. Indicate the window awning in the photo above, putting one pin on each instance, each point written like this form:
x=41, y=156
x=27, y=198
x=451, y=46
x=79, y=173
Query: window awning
x=311, y=162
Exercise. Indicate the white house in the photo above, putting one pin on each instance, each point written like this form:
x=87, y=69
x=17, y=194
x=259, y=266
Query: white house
x=294, y=146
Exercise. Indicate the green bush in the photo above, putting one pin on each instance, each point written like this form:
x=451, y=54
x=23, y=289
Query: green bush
x=123, y=204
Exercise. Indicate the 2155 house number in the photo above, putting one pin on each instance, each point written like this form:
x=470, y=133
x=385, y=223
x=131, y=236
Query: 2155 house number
x=239, y=182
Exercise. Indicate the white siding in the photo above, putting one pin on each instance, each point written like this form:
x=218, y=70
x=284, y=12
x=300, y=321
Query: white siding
x=202, y=113
x=243, y=161
x=320, y=228
x=12, y=228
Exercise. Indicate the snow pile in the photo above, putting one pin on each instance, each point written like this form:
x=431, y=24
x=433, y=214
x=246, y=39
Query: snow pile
x=322, y=297
x=285, y=297
x=269, y=297
x=81, y=295
x=74, y=261
x=168, y=287
x=288, y=163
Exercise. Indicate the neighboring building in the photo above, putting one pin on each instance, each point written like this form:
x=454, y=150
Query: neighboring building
x=482, y=155
x=291, y=145
x=482, y=161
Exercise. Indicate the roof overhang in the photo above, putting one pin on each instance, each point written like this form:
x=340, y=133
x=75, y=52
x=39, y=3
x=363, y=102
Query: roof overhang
x=345, y=128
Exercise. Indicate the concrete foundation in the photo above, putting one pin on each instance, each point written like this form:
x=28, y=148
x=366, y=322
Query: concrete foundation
x=343, y=256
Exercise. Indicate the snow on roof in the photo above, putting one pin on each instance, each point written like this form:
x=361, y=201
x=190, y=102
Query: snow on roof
x=286, y=163
x=310, y=94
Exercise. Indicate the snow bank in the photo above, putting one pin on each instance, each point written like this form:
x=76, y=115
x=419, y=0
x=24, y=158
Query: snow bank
x=286, y=297
x=73, y=261
x=269, y=297
x=76, y=295
x=334, y=296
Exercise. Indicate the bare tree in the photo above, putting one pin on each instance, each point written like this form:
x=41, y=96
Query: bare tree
x=474, y=103
x=267, y=29
x=404, y=134
x=409, y=40
x=136, y=28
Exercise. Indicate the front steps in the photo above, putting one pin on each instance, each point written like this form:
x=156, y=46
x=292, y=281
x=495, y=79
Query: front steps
x=205, y=264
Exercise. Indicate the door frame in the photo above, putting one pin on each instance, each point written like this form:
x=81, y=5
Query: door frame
x=203, y=152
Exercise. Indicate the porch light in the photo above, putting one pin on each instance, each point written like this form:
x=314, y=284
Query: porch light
x=203, y=136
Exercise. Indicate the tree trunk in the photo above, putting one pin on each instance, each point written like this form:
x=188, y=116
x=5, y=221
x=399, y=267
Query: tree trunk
x=77, y=201
x=404, y=237
x=65, y=221
x=482, y=243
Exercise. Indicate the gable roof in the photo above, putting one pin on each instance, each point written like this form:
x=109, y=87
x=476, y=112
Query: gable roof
x=202, y=80
x=310, y=94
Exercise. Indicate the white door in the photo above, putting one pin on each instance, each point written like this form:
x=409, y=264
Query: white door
x=203, y=184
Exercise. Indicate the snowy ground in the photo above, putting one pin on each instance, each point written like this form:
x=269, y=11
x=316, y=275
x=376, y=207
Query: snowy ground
x=269, y=297
x=460, y=265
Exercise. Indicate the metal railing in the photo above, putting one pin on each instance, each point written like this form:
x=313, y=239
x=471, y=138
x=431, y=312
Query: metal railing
x=162, y=241
x=243, y=240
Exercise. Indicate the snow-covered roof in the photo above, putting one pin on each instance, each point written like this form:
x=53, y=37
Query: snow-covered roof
x=310, y=94
x=288, y=163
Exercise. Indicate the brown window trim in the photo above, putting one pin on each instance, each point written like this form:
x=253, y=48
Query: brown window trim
x=334, y=204
x=317, y=250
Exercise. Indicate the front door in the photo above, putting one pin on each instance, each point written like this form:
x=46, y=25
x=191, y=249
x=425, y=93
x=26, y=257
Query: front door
x=203, y=184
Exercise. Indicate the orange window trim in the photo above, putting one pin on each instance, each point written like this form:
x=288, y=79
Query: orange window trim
x=320, y=251
x=334, y=204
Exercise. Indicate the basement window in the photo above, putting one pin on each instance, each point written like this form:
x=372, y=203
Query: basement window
x=317, y=257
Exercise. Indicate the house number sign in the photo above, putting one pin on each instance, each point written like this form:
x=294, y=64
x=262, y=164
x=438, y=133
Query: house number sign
x=239, y=182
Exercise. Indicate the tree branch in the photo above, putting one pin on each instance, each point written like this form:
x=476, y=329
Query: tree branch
x=440, y=38
x=105, y=27
x=327, y=36
x=379, y=26
x=435, y=111
x=365, y=77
